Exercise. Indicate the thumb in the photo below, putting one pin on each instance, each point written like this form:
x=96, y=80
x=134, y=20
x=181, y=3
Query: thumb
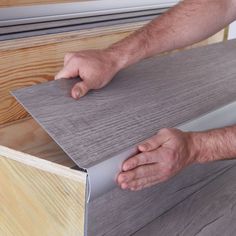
x=70, y=70
x=79, y=90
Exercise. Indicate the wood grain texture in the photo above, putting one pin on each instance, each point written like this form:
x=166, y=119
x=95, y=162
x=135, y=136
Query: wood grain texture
x=158, y=92
x=27, y=136
x=34, y=60
x=14, y=3
x=124, y=213
x=39, y=197
x=208, y=211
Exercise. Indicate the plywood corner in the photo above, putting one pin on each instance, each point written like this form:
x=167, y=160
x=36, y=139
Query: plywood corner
x=39, y=197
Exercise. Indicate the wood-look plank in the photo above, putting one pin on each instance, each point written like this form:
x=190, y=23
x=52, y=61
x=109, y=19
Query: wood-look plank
x=27, y=136
x=208, y=211
x=34, y=60
x=124, y=213
x=159, y=92
x=39, y=197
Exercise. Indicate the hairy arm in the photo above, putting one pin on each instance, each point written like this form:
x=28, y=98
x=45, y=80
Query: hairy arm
x=187, y=23
x=170, y=150
x=213, y=145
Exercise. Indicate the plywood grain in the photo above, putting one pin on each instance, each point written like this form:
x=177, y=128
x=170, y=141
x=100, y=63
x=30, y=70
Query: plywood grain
x=38, y=197
x=34, y=60
x=158, y=92
x=208, y=211
x=27, y=136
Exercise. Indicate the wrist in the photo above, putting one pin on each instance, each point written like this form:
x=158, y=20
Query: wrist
x=118, y=58
x=202, y=149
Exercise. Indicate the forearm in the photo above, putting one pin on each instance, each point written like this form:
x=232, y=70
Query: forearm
x=187, y=23
x=212, y=145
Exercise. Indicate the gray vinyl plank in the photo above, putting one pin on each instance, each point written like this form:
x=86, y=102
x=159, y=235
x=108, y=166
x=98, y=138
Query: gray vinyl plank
x=209, y=211
x=162, y=91
x=159, y=92
x=119, y=213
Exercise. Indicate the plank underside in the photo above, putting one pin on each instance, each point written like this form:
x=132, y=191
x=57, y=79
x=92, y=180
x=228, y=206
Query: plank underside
x=158, y=92
x=208, y=211
x=39, y=197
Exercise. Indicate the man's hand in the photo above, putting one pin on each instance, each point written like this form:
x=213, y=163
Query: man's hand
x=96, y=69
x=161, y=157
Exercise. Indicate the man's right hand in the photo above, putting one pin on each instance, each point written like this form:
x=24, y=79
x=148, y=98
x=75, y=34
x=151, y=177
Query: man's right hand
x=96, y=68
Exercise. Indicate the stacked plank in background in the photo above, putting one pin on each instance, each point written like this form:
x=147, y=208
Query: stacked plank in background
x=13, y=3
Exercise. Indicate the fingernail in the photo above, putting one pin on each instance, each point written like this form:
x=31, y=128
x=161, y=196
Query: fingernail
x=126, y=167
x=124, y=186
x=76, y=94
x=143, y=147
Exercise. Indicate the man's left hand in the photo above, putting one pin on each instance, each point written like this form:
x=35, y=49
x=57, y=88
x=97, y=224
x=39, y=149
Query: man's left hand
x=161, y=157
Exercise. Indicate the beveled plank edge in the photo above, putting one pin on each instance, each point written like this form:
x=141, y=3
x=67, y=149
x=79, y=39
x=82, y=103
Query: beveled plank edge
x=44, y=165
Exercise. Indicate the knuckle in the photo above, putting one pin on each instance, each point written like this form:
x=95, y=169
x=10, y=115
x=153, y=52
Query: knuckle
x=68, y=56
x=164, y=131
x=144, y=158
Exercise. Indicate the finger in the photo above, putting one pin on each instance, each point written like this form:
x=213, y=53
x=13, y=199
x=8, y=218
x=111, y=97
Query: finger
x=140, y=159
x=139, y=183
x=137, y=173
x=148, y=185
x=67, y=57
x=153, y=143
x=79, y=90
x=70, y=70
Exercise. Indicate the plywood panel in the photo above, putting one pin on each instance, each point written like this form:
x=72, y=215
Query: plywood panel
x=158, y=92
x=14, y=3
x=38, y=197
x=27, y=136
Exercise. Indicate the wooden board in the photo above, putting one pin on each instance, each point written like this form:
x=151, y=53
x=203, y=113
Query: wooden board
x=27, y=136
x=14, y=3
x=39, y=197
x=159, y=92
x=208, y=211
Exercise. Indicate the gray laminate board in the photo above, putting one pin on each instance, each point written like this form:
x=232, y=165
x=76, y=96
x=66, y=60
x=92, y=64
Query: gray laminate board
x=158, y=92
x=210, y=211
x=119, y=213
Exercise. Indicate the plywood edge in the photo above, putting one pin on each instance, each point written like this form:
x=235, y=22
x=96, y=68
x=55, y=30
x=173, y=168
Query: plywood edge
x=44, y=165
x=69, y=36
